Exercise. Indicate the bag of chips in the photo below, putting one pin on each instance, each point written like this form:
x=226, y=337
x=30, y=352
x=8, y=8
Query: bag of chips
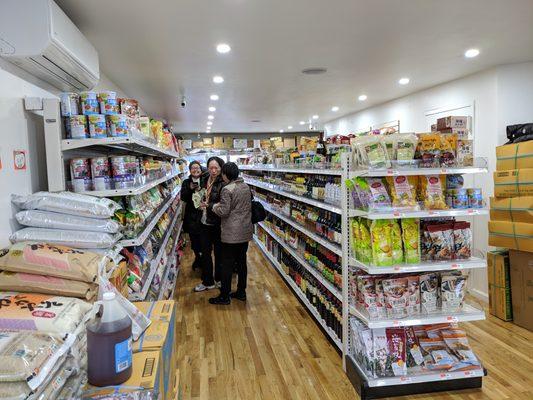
x=396, y=297
x=379, y=197
x=372, y=151
x=396, y=242
x=432, y=192
x=380, y=232
x=462, y=237
x=429, y=292
x=411, y=240
x=403, y=191
x=428, y=150
x=453, y=290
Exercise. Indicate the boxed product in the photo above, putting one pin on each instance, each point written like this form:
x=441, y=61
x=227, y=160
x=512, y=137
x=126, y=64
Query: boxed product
x=514, y=156
x=146, y=377
x=499, y=284
x=159, y=310
x=456, y=122
x=514, y=182
x=522, y=288
x=511, y=235
x=512, y=209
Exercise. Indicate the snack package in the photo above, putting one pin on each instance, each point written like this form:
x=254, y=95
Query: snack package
x=364, y=245
x=406, y=144
x=448, y=148
x=414, y=353
x=75, y=239
x=432, y=192
x=362, y=191
x=372, y=151
x=429, y=150
x=462, y=237
x=454, y=181
x=380, y=298
x=429, y=292
x=411, y=240
x=396, y=297
x=453, y=290
x=381, y=352
x=380, y=232
x=379, y=197
x=442, y=241
x=457, y=342
x=389, y=141
x=396, y=343
x=368, y=290
x=403, y=191
x=465, y=153
x=440, y=359
x=355, y=236
x=396, y=241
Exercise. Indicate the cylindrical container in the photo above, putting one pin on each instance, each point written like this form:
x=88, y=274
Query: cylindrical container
x=89, y=103
x=460, y=199
x=97, y=126
x=117, y=125
x=70, y=104
x=475, y=198
x=108, y=102
x=80, y=174
x=100, y=173
x=450, y=197
x=123, y=168
x=76, y=127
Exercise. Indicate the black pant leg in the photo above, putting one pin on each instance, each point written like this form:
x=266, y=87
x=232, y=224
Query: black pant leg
x=196, y=241
x=242, y=267
x=206, y=246
x=228, y=255
x=217, y=244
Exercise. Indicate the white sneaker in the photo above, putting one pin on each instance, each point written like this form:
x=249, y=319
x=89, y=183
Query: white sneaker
x=201, y=287
x=218, y=285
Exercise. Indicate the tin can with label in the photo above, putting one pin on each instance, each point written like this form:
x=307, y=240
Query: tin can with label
x=108, y=102
x=100, y=172
x=76, y=127
x=117, y=125
x=460, y=199
x=475, y=198
x=124, y=169
x=89, y=103
x=80, y=174
x=70, y=104
x=97, y=126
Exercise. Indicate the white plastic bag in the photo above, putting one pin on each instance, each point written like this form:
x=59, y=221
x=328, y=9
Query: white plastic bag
x=75, y=239
x=68, y=203
x=53, y=220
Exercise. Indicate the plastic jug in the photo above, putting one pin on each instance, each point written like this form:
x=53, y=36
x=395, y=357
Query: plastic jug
x=109, y=348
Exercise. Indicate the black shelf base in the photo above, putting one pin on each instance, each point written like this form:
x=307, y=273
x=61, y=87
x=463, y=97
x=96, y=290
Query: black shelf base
x=367, y=392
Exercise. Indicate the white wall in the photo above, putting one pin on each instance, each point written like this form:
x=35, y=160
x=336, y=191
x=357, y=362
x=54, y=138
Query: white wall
x=495, y=98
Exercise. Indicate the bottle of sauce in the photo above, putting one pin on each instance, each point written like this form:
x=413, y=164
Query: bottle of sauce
x=109, y=350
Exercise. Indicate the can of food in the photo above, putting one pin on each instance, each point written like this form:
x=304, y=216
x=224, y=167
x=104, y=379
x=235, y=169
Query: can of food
x=117, y=125
x=108, y=102
x=460, y=199
x=97, y=126
x=70, y=104
x=475, y=198
x=450, y=194
x=80, y=174
x=123, y=169
x=100, y=173
x=89, y=103
x=76, y=126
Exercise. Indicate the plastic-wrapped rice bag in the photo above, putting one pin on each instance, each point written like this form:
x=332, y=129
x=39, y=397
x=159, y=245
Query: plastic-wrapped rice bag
x=76, y=239
x=53, y=220
x=68, y=203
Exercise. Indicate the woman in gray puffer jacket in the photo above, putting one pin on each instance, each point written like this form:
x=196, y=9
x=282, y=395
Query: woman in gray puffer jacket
x=235, y=212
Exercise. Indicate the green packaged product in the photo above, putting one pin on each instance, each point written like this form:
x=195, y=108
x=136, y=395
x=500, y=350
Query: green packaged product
x=381, y=235
x=411, y=240
x=364, y=246
x=396, y=240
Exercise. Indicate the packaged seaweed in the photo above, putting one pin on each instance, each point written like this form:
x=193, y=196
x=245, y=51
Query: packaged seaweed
x=462, y=238
x=414, y=353
x=429, y=292
x=396, y=297
x=442, y=241
x=453, y=290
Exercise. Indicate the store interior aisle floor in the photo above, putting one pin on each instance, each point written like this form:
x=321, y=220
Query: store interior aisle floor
x=270, y=347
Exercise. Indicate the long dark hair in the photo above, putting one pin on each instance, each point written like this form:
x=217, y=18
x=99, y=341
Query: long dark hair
x=218, y=160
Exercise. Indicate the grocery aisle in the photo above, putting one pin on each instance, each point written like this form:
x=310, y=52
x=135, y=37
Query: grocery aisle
x=270, y=348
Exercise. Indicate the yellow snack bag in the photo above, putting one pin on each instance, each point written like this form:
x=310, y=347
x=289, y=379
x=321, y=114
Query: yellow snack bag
x=403, y=191
x=432, y=192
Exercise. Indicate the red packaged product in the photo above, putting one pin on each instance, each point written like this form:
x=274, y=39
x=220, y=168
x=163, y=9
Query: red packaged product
x=396, y=342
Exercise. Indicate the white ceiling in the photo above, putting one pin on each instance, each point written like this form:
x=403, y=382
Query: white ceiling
x=151, y=49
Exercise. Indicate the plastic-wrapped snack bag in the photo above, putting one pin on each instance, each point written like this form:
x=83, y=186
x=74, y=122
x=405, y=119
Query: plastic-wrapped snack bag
x=364, y=245
x=428, y=150
x=453, y=290
x=406, y=144
x=411, y=240
x=413, y=285
x=403, y=191
x=462, y=237
x=396, y=297
x=379, y=196
x=381, y=353
x=457, y=342
x=373, y=152
x=442, y=241
x=396, y=240
x=448, y=149
x=441, y=359
x=432, y=192
x=380, y=298
x=380, y=233
x=414, y=353
x=355, y=236
x=396, y=342
x=429, y=293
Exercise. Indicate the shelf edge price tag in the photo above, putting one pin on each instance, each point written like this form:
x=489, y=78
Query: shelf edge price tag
x=405, y=379
x=445, y=376
x=451, y=319
x=455, y=266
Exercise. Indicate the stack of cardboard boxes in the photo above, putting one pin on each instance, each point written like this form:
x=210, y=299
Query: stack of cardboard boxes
x=511, y=227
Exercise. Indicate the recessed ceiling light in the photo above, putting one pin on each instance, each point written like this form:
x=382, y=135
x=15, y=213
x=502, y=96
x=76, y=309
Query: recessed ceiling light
x=210, y=117
x=209, y=122
x=212, y=109
x=403, y=81
x=302, y=122
x=471, y=53
x=214, y=97
x=362, y=97
x=281, y=131
x=315, y=116
x=223, y=48
x=289, y=127
x=334, y=108
x=218, y=79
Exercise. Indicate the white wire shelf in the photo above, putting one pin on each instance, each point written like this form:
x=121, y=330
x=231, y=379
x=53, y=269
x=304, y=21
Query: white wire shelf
x=328, y=285
x=169, y=262
x=418, y=378
x=429, y=266
x=373, y=215
x=154, y=264
x=291, y=169
x=134, y=190
x=299, y=293
x=137, y=241
x=468, y=313
x=316, y=203
x=133, y=142
x=335, y=248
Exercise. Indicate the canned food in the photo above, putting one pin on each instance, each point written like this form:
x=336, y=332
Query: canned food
x=460, y=200
x=89, y=103
x=108, y=102
x=70, y=104
x=80, y=174
x=76, y=127
x=100, y=173
x=117, y=125
x=449, y=197
x=97, y=126
x=475, y=198
x=124, y=169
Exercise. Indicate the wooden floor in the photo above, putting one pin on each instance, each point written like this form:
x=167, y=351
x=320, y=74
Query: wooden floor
x=270, y=348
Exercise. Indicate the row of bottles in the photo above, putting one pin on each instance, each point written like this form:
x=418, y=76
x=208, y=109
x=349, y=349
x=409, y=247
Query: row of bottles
x=324, y=188
x=324, y=223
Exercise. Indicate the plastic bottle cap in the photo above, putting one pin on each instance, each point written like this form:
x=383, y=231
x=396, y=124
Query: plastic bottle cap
x=109, y=296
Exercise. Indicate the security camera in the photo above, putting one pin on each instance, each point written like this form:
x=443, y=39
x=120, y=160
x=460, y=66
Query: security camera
x=183, y=103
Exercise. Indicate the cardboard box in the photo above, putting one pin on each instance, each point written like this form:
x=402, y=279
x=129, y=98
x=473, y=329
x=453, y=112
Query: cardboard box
x=514, y=156
x=511, y=235
x=461, y=132
x=146, y=374
x=218, y=142
x=163, y=310
x=498, y=272
x=457, y=122
x=517, y=209
x=513, y=183
x=119, y=278
x=522, y=288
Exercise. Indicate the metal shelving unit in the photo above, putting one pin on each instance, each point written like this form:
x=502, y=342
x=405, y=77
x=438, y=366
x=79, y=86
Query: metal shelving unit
x=170, y=260
x=134, y=190
x=291, y=169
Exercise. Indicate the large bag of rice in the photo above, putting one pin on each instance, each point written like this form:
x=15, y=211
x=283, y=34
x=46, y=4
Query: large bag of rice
x=68, y=203
x=51, y=260
x=76, y=239
x=53, y=220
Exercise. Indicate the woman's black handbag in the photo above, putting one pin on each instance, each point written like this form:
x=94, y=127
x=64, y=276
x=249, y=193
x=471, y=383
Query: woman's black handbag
x=258, y=212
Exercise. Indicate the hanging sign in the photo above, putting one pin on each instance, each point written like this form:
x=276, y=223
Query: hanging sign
x=240, y=143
